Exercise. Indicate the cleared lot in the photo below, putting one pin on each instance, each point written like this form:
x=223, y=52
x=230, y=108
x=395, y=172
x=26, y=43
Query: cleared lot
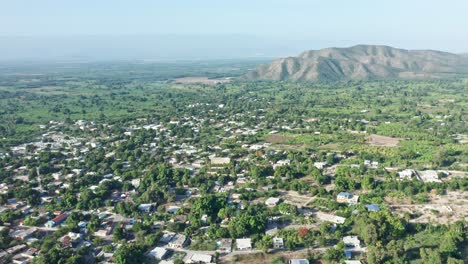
x=441, y=209
x=202, y=80
x=382, y=141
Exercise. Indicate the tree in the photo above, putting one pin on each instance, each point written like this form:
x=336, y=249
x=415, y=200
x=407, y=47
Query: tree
x=334, y=255
x=178, y=261
x=118, y=234
x=430, y=256
x=129, y=254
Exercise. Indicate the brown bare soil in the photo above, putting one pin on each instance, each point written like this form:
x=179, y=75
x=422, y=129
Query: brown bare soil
x=382, y=141
x=441, y=209
x=276, y=139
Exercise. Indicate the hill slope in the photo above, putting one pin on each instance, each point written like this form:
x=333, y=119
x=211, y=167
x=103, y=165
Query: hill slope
x=362, y=62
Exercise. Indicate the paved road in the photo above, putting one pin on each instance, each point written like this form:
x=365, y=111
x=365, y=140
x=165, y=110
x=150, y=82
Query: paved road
x=213, y=252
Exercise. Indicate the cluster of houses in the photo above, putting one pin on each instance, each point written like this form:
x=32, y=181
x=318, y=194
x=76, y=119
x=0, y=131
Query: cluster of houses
x=424, y=175
x=183, y=153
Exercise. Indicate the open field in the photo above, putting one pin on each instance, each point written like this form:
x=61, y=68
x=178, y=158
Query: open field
x=201, y=80
x=276, y=139
x=443, y=209
x=376, y=140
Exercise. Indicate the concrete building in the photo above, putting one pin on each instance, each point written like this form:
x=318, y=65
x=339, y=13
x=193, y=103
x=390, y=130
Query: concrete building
x=244, y=244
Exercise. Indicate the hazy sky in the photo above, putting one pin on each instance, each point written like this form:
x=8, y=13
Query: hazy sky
x=270, y=27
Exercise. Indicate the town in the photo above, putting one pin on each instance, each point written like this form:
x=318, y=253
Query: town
x=232, y=176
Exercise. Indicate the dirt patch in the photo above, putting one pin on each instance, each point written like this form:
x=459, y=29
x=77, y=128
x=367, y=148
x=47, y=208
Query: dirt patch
x=258, y=258
x=276, y=139
x=202, y=80
x=441, y=209
x=382, y=141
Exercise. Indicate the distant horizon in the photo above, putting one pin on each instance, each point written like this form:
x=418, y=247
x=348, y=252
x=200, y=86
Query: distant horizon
x=208, y=29
x=166, y=47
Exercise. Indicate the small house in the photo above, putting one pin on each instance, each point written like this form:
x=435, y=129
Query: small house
x=278, y=242
x=158, y=253
x=224, y=245
x=178, y=241
x=346, y=197
x=352, y=241
x=244, y=244
x=372, y=207
x=298, y=261
x=200, y=258
x=272, y=201
x=56, y=221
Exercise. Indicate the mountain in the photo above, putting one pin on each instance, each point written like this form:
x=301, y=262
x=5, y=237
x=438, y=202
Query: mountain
x=362, y=62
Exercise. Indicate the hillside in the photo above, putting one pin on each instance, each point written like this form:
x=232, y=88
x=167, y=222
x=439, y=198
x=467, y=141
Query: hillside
x=362, y=62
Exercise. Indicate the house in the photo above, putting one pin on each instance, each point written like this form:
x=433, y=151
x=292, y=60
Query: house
x=204, y=218
x=172, y=209
x=75, y=236
x=82, y=224
x=278, y=242
x=23, y=234
x=346, y=197
x=272, y=201
x=16, y=249
x=244, y=244
x=406, y=174
x=166, y=238
x=320, y=165
x=178, y=241
x=371, y=164
x=298, y=261
x=352, y=241
x=56, y=221
x=200, y=258
x=158, y=253
x=102, y=232
x=352, y=262
x=146, y=208
x=372, y=207
x=330, y=218
x=429, y=176
x=224, y=245
x=219, y=161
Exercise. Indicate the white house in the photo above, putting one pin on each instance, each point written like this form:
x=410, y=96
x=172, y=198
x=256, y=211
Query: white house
x=272, y=201
x=144, y=208
x=330, y=218
x=352, y=241
x=320, y=165
x=406, y=174
x=172, y=209
x=429, y=176
x=219, y=160
x=298, y=261
x=346, y=197
x=244, y=244
x=158, y=253
x=278, y=242
x=200, y=258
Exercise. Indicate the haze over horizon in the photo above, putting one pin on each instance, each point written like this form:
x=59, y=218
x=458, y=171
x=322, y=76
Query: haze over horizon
x=208, y=29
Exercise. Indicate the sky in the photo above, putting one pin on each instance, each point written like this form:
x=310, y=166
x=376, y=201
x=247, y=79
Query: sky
x=210, y=29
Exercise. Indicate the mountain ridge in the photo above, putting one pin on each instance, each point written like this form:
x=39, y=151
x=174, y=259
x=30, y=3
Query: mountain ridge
x=362, y=62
